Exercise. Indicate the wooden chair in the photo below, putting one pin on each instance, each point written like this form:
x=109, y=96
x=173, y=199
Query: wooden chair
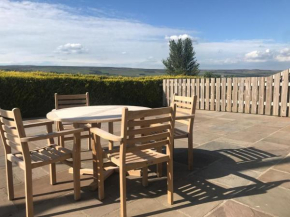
x=185, y=112
x=69, y=101
x=13, y=136
x=137, y=141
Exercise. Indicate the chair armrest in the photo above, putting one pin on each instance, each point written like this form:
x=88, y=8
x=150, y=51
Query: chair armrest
x=105, y=135
x=184, y=117
x=37, y=124
x=51, y=135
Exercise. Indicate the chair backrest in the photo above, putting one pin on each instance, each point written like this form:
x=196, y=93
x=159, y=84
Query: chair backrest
x=185, y=106
x=147, y=129
x=68, y=101
x=11, y=129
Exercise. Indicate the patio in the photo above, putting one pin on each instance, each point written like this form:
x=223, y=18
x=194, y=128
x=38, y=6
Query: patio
x=241, y=168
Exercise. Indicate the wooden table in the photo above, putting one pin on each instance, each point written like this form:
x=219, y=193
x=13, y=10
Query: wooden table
x=95, y=115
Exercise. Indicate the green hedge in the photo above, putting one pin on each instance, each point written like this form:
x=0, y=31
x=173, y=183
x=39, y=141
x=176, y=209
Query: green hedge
x=33, y=92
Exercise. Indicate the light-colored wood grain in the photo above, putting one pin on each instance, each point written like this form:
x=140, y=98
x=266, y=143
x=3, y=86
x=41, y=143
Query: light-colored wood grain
x=28, y=159
x=241, y=94
x=235, y=95
x=269, y=90
x=284, y=94
x=168, y=92
x=207, y=94
x=188, y=87
x=132, y=156
x=247, y=95
x=276, y=94
x=261, y=95
x=202, y=87
x=218, y=95
x=254, y=82
x=223, y=94
x=212, y=94
x=164, y=103
x=229, y=94
x=197, y=93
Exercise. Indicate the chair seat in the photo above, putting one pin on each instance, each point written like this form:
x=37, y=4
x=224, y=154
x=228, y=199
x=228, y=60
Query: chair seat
x=42, y=156
x=178, y=134
x=139, y=159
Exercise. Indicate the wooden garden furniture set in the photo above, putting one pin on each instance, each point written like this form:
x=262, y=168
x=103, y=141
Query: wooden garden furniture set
x=144, y=132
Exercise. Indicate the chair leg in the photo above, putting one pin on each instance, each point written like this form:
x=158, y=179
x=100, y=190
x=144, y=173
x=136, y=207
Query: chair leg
x=170, y=182
x=123, y=210
x=159, y=166
x=190, y=152
x=90, y=142
x=76, y=167
x=100, y=168
x=111, y=130
x=52, y=170
x=145, y=176
x=9, y=180
x=28, y=193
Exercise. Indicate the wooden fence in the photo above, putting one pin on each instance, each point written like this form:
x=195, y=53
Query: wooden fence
x=252, y=95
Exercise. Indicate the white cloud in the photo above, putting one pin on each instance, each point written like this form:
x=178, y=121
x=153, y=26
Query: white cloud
x=259, y=56
x=42, y=33
x=71, y=49
x=284, y=55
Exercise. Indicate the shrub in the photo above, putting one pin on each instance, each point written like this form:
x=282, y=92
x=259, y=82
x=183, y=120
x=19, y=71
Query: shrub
x=33, y=92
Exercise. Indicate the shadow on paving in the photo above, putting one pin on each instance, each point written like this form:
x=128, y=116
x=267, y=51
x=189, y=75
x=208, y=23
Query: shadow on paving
x=190, y=190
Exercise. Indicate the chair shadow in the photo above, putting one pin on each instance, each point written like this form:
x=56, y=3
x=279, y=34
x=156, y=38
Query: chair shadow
x=193, y=189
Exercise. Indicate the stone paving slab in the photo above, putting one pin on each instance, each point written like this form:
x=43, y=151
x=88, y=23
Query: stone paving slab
x=241, y=168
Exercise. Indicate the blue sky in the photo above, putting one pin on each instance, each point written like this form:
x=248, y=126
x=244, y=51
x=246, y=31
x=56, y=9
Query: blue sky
x=226, y=34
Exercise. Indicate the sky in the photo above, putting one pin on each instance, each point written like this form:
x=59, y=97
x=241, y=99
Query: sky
x=226, y=34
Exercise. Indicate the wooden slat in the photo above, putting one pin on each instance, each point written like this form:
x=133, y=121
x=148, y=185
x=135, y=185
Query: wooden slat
x=185, y=105
x=7, y=114
x=212, y=94
x=202, y=93
x=223, y=95
x=148, y=112
x=254, y=82
x=10, y=130
x=148, y=146
x=261, y=95
x=68, y=106
x=168, y=92
x=179, y=87
x=188, y=87
x=76, y=96
x=269, y=91
x=276, y=94
x=164, y=102
x=171, y=90
x=229, y=94
x=12, y=138
x=247, y=95
x=193, y=92
x=183, y=98
x=241, y=95
x=72, y=102
x=218, y=94
x=148, y=122
x=7, y=122
x=235, y=95
x=142, y=139
x=197, y=89
x=148, y=130
x=207, y=94
x=175, y=86
x=184, y=87
x=182, y=110
x=284, y=95
x=14, y=145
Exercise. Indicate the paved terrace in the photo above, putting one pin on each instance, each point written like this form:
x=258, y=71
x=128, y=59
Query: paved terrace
x=241, y=169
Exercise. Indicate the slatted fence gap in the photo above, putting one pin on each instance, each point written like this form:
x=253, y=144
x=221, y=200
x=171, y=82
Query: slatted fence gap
x=251, y=95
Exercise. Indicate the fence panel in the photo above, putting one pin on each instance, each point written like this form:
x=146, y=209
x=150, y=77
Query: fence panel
x=255, y=95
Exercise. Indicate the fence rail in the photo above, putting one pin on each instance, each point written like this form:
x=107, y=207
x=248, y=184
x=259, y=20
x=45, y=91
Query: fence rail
x=252, y=95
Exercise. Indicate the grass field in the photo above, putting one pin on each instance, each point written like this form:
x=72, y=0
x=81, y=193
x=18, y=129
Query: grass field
x=111, y=71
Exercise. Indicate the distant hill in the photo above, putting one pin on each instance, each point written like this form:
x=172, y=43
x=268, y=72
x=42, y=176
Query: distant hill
x=135, y=72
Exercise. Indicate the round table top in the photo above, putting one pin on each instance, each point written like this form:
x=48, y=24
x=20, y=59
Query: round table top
x=90, y=114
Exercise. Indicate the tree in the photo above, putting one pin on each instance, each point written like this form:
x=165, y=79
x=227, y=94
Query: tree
x=181, y=60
